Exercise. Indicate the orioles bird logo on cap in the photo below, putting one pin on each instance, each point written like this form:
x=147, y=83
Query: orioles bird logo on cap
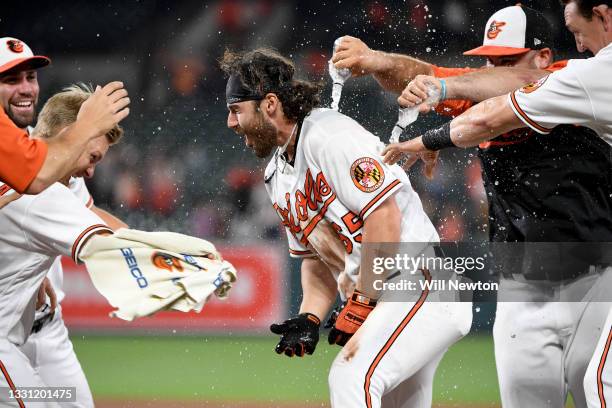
x=495, y=29
x=15, y=45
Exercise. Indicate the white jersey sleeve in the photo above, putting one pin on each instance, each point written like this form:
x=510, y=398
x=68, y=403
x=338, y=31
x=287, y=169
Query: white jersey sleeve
x=577, y=95
x=559, y=98
x=348, y=155
x=56, y=221
x=79, y=188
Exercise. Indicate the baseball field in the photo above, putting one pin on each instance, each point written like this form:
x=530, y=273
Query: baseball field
x=244, y=372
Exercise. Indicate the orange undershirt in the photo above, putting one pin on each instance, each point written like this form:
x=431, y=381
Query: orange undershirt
x=20, y=157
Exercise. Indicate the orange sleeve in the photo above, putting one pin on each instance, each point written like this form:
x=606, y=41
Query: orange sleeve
x=555, y=66
x=20, y=157
x=452, y=107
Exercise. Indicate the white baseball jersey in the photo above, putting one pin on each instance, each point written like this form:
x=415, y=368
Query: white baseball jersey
x=338, y=174
x=35, y=230
x=580, y=94
x=56, y=274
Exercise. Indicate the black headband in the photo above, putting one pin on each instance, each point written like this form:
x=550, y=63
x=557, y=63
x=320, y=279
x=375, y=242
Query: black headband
x=235, y=91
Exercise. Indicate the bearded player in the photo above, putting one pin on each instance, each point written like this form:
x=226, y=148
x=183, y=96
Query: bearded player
x=327, y=169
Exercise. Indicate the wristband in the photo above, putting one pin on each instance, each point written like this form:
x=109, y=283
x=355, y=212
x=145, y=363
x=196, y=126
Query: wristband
x=442, y=89
x=314, y=319
x=439, y=138
x=362, y=299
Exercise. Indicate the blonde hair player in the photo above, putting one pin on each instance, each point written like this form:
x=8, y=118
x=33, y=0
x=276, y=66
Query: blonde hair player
x=37, y=230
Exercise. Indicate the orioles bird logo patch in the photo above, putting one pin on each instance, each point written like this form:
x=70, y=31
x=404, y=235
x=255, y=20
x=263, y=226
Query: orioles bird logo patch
x=167, y=262
x=495, y=29
x=529, y=88
x=367, y=174
x=15, y=45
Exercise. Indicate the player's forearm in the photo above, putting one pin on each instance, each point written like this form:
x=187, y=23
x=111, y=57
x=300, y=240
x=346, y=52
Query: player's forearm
x=478, y=124
x=395, y=71
x=483, y=122
x=63, y=153
x=488, y=83
x=319, y=288
x=113, y=222
x=383, y=225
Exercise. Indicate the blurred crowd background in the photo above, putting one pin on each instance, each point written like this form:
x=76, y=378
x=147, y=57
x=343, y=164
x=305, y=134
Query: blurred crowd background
x=180, y=168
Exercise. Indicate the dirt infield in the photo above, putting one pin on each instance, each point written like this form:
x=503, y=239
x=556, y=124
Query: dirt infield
x=111, y=403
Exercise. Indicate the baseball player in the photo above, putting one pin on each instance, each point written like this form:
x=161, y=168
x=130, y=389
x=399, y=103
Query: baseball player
x=326, y=169
x=29, y=165
x=537, y=190
x=36, y=230
x=48, y=347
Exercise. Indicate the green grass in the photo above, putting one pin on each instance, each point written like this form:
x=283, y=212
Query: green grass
x=247, y=369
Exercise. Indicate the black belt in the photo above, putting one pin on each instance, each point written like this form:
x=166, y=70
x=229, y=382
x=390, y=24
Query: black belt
x=41, y=321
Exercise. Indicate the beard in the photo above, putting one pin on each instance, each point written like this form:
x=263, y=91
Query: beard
x=22, y=120
x=263, y=136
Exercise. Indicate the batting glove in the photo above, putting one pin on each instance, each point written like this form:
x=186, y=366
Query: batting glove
x=299, y=335
x=350, y=318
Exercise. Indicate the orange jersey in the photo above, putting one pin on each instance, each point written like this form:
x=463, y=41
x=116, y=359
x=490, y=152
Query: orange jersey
x=20, y=157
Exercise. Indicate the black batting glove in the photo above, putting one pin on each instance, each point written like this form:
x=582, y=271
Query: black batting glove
x=333, y=316
x=299, y=335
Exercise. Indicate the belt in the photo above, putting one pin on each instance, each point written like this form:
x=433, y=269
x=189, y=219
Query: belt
x=41, y=321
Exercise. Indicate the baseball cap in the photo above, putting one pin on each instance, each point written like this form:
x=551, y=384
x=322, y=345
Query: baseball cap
x=15, y=52
x=514, y=30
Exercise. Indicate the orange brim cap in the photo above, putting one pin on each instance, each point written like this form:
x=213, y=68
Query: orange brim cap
x=496, y=50
x=36, y=61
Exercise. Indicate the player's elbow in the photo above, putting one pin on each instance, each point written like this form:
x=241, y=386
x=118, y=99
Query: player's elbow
x=491, y=117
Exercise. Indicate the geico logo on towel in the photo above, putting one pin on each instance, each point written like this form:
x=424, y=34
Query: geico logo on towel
x=135, y=271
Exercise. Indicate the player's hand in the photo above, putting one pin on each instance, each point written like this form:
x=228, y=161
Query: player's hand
x=354, y=54
x=429, y=159
x=350, y=318
x=46, y=289
x=410, y=150
x=417, y=92
x=4, y=200
x=105, y=108
x=299, y=335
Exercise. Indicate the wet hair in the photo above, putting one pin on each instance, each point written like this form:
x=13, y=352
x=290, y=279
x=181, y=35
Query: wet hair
x=264, y=70
x=61, y=110
x=585, y=7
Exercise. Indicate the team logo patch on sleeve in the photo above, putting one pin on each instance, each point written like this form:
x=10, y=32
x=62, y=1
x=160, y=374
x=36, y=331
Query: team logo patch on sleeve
x=529, y=88
x=367, y=174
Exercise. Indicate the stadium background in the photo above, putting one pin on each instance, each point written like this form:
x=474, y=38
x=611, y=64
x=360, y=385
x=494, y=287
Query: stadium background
x=180, y=169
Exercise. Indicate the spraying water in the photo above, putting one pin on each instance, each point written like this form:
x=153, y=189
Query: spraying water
x=339, y=77
x=408, y=116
